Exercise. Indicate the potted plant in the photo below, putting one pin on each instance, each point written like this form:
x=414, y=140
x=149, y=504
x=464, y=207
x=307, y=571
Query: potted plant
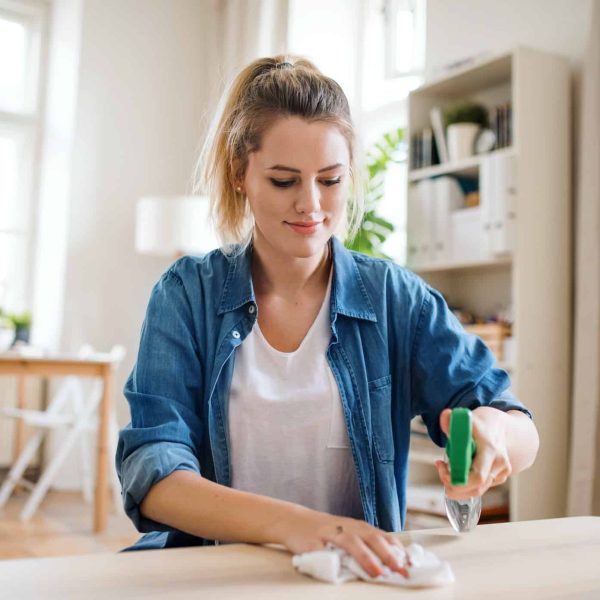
x=374, y=229
x=463, y=122
x=22, y=323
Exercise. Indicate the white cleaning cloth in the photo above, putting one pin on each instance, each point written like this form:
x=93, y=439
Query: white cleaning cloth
x=335, y=565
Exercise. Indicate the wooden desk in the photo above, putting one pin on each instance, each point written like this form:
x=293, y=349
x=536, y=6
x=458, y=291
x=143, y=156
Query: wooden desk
x=61, y=366
x=558, y=558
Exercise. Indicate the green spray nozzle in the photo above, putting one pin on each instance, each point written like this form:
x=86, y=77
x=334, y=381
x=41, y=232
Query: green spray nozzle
x=460, y=447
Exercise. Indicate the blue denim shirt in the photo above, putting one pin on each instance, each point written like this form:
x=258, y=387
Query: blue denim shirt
x=396, y=351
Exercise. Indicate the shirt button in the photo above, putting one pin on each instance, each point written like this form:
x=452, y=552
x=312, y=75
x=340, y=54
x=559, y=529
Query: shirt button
x=236, y=334
x=251, y=309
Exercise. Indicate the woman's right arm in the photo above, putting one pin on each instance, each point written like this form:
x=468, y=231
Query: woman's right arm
x=190, y=503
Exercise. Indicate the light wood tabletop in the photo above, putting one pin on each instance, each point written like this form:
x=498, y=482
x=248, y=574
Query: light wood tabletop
x=101, y=365
x=556, y=558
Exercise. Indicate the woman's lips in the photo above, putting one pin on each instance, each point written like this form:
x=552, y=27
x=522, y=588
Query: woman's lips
x=305, y=228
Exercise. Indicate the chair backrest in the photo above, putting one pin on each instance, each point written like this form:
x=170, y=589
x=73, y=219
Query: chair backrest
x=115, y=355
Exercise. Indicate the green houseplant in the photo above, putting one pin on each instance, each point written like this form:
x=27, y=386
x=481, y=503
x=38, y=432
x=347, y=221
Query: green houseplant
x=374, y=229
x=466, y=112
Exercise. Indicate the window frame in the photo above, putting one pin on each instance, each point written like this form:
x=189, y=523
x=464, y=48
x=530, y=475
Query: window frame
x=25, y=125
x=390, y=12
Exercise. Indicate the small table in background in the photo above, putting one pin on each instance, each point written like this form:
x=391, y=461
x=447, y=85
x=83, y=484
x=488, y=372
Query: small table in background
x=23, y=366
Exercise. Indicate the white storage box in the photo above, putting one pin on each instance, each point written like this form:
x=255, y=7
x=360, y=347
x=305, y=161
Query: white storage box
x=468, y=242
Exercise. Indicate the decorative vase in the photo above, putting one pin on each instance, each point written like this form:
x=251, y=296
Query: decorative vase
x=461, y=140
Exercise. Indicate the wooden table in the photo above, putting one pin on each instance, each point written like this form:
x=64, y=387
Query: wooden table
x=61, y=366
x=558, y=558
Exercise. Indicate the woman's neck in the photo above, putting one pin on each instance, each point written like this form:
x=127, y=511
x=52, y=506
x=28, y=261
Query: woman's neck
x=285, y=276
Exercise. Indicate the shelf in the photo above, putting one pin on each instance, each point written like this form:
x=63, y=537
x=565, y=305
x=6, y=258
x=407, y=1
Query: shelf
x=424, y=451
x=467, y=167
x=416, y=520
x=538, y=86
x=487, y=71
x=429, y=499
x=498, y=262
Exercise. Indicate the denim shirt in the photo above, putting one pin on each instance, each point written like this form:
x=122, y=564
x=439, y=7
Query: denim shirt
x=396, y=351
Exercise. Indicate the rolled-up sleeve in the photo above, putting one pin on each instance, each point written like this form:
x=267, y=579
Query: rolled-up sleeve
x=163, y=391
x=451, y=368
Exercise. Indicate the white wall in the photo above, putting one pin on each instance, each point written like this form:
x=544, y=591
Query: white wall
x=460, y=28
x=141, y=100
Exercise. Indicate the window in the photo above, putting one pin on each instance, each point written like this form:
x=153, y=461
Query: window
x=404, y=37
x=393, y=65
x=20, y=52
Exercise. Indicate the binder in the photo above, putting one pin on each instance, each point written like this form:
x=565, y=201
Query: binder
x=504, y=230
x=424, y=220
x=468, y=240
x=412, y=241
x=448, y=197
x=419, y=230
x=498, y=195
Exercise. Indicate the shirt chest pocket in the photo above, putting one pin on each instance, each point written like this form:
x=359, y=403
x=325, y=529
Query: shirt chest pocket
x=380, y=398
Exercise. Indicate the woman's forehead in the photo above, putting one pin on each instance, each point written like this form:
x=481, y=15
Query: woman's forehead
x=297, y=143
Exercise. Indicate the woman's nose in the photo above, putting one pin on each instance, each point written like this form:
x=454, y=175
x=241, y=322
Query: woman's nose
x=309, y=199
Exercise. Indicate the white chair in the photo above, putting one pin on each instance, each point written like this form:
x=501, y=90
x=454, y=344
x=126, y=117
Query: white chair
x=75, y=406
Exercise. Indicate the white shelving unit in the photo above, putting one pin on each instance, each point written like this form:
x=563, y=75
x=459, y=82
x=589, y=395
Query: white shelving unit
x=535, y=279
x=468, y=167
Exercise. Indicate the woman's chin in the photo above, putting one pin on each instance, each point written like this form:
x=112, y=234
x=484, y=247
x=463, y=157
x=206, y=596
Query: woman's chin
x=304, y=248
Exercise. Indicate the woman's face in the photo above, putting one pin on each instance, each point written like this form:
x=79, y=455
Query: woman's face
x=297, y=185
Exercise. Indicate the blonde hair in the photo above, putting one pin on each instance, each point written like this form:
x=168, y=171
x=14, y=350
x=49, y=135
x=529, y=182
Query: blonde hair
x=265, y=90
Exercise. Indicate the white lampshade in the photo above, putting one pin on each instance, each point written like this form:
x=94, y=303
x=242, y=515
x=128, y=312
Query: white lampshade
x=171, y=225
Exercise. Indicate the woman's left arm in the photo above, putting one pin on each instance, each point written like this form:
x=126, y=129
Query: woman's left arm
x=506, y=442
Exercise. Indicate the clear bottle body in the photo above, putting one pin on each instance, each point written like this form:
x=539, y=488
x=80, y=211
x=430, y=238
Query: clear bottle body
x=463, y=514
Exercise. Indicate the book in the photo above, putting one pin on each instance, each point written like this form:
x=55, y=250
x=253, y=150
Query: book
x=437, y=123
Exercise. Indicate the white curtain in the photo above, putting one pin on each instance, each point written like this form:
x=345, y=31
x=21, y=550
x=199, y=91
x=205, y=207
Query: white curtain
x=250, y=29
x=584, y=484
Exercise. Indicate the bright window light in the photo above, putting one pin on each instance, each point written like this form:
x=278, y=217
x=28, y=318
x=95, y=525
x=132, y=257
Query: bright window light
x=8, y=181
x=405, y=44
x=13, y=55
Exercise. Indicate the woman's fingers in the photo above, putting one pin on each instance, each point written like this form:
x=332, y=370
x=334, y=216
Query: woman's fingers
x=383, y=548
x=395, y=541
x=365, y=557
x=476, y=485
x=371, y=548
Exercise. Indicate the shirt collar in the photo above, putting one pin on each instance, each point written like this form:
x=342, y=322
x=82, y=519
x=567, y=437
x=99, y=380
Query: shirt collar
x=349, y=296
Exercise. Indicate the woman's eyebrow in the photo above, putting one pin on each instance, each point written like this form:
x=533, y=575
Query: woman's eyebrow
x=291, y=169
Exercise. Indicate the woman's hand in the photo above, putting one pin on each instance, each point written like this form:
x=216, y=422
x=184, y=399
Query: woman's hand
x=308, y=530
x=491, y=465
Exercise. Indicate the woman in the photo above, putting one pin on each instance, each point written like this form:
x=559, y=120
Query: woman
x=275, y=382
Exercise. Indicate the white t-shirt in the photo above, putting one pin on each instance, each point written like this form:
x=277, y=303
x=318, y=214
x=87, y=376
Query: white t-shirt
x=287, y=432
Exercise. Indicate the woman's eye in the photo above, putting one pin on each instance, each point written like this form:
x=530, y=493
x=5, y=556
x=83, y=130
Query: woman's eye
x=283, y=183
x=286, y=183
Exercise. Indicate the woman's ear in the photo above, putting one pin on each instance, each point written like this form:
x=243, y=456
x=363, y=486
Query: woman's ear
x=238, y=177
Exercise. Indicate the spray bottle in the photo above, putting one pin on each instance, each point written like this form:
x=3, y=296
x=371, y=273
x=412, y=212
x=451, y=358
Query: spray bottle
x=460, y=449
